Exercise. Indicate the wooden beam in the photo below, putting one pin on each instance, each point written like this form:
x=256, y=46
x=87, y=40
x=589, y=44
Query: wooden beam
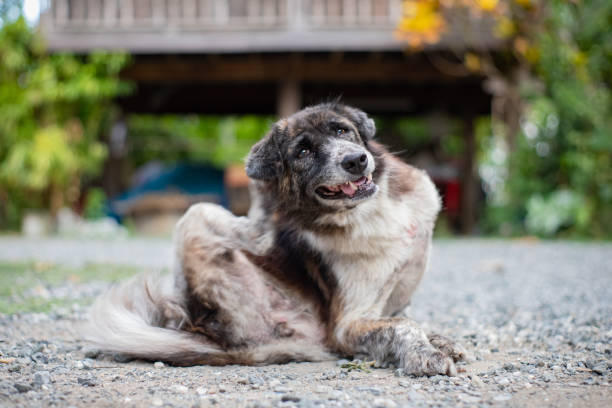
x=272, y=67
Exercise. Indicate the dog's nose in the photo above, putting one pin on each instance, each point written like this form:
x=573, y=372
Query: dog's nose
x=355, y=163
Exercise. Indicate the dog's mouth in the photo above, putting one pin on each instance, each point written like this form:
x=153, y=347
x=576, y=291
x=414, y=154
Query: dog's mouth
x=360, y=188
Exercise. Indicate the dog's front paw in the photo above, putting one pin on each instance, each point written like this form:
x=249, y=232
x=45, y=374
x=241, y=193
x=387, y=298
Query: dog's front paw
x=428, y=361
x=449, y=347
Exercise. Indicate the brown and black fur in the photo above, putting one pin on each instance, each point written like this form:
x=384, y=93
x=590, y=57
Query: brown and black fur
x=320, y=267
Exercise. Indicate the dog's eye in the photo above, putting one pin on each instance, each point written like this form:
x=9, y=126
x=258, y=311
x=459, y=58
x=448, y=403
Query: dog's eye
x=303, y=152
x=340, y=131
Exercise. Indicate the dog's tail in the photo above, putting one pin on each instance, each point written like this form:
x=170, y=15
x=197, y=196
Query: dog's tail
x=142, y=318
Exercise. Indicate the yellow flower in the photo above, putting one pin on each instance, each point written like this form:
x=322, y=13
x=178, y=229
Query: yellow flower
x=487, y=5
x=505, y=28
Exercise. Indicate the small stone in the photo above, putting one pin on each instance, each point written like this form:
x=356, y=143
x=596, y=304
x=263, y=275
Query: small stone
x=399, y=372
x=157, y=402
x=384, y=403
x=290, y=398
x=122, y=358
x=371, y=390
x=253, y=379
x=274, y=383
x=14, y=368
x=477, y=381
x=404, y=383
x=91, y=352
x=502, y=397
x=282, y=389
x=242, y=380
x=470, y=399
x=78, y=365
x=503, y=381
x=158, y=364
x=322, y=389
x=600, y=368
x=87, y=382
x=22, y=387
x=414, y=396
x=222, y=388
x=179, y=388
x=42, y=378
x=202, y=391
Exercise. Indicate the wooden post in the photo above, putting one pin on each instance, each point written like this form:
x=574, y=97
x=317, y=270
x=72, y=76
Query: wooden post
x=469, y=177
x=289, y=99
x=113, y=176
x=110, y=13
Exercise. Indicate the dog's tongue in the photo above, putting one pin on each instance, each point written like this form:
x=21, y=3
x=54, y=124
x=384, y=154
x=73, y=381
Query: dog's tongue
x=348, y=189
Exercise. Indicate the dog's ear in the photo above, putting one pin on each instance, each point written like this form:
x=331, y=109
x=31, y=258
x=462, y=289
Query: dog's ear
x=264, y=162
x=365, y=125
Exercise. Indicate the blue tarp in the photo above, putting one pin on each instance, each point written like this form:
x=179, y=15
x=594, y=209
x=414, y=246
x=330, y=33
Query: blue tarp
x=190, y=179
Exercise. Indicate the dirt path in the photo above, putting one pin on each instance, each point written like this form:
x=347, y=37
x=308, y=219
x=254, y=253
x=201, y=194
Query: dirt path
x=537, y=317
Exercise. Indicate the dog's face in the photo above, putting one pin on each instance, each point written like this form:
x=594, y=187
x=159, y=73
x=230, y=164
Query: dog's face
x=319, y=156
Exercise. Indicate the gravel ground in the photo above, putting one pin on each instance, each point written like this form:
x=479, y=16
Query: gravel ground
x=536, y=317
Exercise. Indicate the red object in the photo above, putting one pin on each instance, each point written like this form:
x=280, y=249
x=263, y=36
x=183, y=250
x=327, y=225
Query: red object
x=452, y=197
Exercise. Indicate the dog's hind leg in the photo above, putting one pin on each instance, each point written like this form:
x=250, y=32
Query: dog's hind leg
x=228, y=298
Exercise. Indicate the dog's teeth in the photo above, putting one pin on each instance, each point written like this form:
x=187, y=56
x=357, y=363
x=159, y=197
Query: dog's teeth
x=369, y=177
x=350, y=183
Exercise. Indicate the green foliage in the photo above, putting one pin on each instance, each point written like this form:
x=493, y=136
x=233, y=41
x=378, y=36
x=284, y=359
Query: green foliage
x=220, y=141
x=561, y=168
x=95, y=204
x=53, y=109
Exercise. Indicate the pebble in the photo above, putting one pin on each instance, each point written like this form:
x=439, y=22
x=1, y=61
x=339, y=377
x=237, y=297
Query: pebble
x=290, y=398
x=371, y=390
x=179, y=388
x=384, y=403
x=42, y=378
x=22, y=387
x=87, y=381
x=404, y=383
x=502, y=397
x=159, y=364
x=600, y=368
x=157, y=402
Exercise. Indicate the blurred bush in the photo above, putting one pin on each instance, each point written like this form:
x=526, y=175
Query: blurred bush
x=561, y=167
x=547, y=155
x=219, y=140
x=53, y=109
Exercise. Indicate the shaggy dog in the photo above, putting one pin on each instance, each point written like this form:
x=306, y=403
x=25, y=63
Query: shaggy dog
x=336, y=241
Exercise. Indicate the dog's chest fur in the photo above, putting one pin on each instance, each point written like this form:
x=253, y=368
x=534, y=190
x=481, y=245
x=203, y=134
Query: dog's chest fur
x=376, y=242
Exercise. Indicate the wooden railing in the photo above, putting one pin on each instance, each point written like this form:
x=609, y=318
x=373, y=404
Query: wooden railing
x=223, y=14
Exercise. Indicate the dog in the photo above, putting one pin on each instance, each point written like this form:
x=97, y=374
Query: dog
x=336, y=241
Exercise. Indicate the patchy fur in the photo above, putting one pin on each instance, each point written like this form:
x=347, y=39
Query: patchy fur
x=336, y=241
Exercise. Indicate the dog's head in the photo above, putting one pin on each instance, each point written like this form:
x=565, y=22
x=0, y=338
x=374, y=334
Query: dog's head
x=319, y=156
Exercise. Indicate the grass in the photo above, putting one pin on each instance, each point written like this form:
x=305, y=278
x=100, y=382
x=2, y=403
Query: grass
x=19, y=283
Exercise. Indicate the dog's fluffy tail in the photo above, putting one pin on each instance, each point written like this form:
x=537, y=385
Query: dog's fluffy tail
x=142, y=318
